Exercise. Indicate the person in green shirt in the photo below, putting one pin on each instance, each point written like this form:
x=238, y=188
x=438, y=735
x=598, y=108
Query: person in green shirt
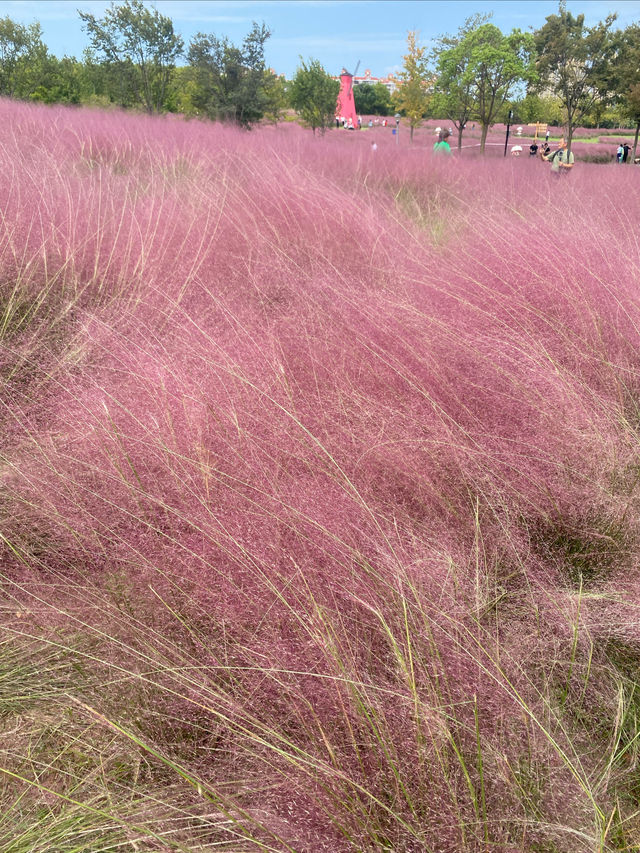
x=442, y=146
x=561, y=160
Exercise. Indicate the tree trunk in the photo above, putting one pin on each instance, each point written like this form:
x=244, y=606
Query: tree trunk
x=411, y=129
x=569, y=136
x=635, y=142
x=483, y=137
x=460, y=132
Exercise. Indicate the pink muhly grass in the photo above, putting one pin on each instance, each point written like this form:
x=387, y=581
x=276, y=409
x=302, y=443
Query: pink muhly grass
x=342, y=446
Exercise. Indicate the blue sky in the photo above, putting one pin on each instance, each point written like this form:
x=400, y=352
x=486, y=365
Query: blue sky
x=336, y=32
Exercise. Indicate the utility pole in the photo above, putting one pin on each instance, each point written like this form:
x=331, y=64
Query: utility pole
x=506, y=139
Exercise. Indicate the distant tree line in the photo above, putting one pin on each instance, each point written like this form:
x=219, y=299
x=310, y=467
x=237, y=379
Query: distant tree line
x=563, y=73
x=135, y=59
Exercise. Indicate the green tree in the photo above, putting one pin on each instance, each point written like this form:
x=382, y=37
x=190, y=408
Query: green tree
x=626, y=71
x=138, y=43
x=455, y=88
x=232, y=82
x=276, y=97
x=574, y=62
x=63, y=81
x=633, y=111
x=497, y=64
x=313, y=95
x=372, y=99
x=182, y=91
x=534, y=107
x=412, y=97
x=22, y=56
x=112, y=82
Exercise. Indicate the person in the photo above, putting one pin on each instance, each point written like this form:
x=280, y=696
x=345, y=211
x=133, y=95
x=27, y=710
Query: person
x=533, y=148
x=370, y=122
x=619, y=153
x=442, y=146
x=625, y=155
x=546, y=138
x=545, y=150
x=561, y=160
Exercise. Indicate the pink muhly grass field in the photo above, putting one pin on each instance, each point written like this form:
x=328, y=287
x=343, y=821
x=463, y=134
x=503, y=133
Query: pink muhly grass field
x=318, y=490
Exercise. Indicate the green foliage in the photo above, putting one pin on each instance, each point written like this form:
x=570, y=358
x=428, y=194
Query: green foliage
x=497, y=64
x=573, y=62
x=534, y=107
x=626, y=68
x=139, y=46
x=64, y=81
x=478, y=70
x=232, y=83
x=181, y=92
x=276, y=96
x=313, y=94
x=454, y=95
x=412, y=97
x=22, y=58
x=372, y=99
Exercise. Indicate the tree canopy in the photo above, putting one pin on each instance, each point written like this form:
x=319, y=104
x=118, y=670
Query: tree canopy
x=412, y=97
x=454, y=90
x=313, y=94
x=139, y=41
x=372, y=99
x=22, y=54
x=232, y=83
x=573, y=62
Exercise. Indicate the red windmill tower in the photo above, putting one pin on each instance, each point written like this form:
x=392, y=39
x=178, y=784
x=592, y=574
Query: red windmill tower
x=346, y=105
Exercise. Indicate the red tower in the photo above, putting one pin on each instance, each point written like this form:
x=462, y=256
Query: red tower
x=346, y=105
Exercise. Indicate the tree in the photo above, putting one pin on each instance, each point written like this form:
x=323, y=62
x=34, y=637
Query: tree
x=573, y=62
x=63, y=81
x=454, y=90
x=313, y=94
x=412, y=96
x=626, y=69
x=232, y=82
x=112, y=82
x=22, y=54
x=497, y=64
x=633, y=110
x=137, y=42
x=372, y=99
x=276, y=97
x=533, y=108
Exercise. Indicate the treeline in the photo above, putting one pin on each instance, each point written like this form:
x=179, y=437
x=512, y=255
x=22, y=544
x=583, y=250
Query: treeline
x=564, y=73
x=132, y=62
